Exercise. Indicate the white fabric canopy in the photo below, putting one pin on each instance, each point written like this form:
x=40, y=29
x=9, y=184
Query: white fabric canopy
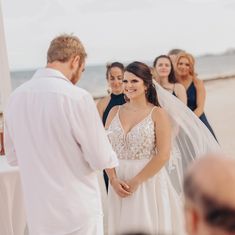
x=5, y=82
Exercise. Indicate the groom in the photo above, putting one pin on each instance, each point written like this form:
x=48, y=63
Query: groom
x=54, y=133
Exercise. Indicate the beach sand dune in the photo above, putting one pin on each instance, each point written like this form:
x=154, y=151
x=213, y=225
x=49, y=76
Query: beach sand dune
x=220, y=110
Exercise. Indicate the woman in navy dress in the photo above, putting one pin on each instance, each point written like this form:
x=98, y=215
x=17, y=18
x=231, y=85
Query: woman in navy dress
x=114, y=76
x=165, y=76
x=195, y=89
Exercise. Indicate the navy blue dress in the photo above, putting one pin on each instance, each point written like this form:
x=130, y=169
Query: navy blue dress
x=115, y=100
x=192, y=104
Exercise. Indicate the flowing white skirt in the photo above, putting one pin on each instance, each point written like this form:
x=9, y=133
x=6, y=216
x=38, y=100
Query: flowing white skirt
x=154, y=208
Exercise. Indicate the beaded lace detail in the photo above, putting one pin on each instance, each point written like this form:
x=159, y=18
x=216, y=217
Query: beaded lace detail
x=138, y=143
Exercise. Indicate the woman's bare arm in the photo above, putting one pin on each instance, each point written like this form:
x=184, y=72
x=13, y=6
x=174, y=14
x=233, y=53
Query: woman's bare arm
x=201, y=97
x=163, y=145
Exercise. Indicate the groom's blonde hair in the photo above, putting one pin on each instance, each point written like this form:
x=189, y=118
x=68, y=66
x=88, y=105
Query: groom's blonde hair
x=64, y=47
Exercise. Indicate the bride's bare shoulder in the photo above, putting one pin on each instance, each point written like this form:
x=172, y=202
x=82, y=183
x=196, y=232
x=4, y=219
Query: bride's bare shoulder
x=159, y=114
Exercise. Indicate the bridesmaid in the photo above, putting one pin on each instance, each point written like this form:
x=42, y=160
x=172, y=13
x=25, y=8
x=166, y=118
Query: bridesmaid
x=195, y=89
x=166, y=77
x=114, y=76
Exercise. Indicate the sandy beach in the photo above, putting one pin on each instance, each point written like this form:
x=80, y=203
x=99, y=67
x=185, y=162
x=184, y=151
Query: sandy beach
x=220, y=111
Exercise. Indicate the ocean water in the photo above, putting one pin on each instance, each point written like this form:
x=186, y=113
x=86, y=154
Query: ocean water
x=93, y=79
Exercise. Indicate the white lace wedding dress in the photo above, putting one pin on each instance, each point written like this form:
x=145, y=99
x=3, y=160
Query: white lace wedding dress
x=155, y=207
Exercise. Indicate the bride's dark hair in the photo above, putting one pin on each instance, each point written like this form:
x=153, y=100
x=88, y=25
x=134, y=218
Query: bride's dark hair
x=143, y=71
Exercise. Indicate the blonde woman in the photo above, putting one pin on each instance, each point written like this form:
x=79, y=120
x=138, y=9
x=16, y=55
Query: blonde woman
x=195, y=89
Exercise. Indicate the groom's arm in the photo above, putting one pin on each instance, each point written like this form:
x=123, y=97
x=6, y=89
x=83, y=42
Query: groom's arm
x=9, y=147
x=91, y=136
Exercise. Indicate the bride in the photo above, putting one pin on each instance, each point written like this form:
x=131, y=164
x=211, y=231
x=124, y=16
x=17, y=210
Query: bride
x=142, y=198
x=154, y=147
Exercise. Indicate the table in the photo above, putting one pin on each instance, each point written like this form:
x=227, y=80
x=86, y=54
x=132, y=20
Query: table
x=12, y=213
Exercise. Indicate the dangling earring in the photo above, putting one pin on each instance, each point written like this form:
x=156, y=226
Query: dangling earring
x=146, y=93
x=109, y=90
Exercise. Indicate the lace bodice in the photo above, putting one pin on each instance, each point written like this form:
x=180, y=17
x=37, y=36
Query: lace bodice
x=138, y=143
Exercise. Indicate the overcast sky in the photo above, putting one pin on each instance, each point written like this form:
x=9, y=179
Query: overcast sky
x=122, y=30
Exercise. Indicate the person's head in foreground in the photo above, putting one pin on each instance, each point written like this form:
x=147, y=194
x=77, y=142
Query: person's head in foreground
x=114, y=76
x=67, y=54
x=209, y=188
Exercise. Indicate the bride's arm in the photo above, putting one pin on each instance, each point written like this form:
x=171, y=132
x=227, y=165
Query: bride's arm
x=163, y=143
x=111, y=172
x=118, y=185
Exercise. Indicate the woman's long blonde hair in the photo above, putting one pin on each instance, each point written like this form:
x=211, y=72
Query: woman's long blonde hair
x=191, y=60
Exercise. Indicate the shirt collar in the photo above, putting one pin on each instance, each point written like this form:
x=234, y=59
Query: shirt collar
x=49, y=72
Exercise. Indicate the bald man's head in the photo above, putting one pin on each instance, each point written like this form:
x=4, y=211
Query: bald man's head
x=209, y=188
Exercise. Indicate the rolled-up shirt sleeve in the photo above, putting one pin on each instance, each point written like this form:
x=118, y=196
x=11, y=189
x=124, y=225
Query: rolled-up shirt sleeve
x=9, y=147
x=91, y=136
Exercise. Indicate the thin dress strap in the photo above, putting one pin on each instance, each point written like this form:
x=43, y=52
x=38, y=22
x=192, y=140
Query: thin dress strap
x=174, y=88
x=117, y=113
x=119, y=106
x=150, y=114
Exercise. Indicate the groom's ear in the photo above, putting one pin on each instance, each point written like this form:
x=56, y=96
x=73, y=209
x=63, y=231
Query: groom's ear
x=75, y=62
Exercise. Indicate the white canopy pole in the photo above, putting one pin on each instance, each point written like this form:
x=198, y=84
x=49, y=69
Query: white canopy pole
x=5, y=80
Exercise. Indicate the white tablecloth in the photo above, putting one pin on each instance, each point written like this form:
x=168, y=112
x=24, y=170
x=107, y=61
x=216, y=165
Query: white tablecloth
x=12, y=214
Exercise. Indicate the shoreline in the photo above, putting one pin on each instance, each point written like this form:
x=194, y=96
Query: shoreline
x=217, y=78
x=206, y=81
